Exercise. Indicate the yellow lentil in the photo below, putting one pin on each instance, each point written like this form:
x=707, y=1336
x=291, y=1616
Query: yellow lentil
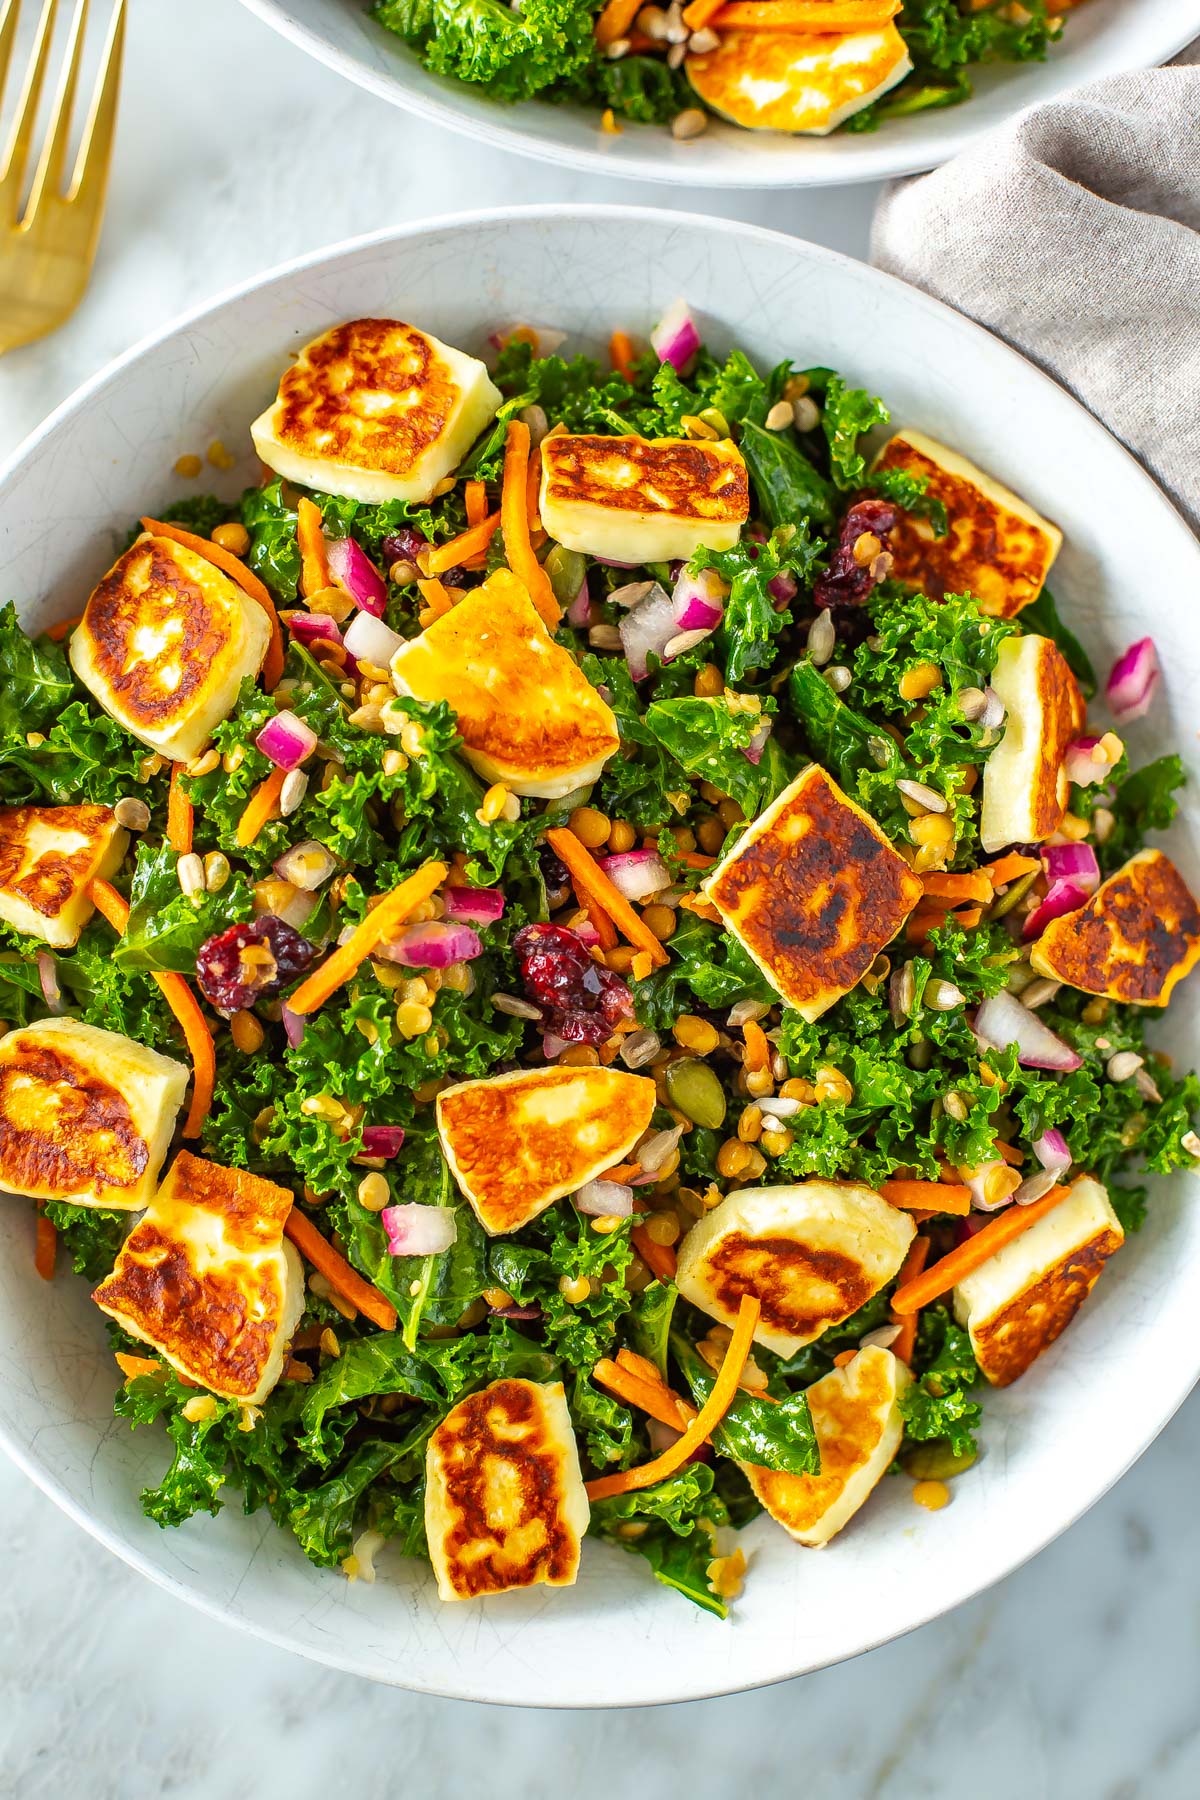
x=932, y=1495
x=919, y=682
x=232, y=537
x=660, y=920
x=189, y=467
x=413, y=1020
x=590, y=826
x=246, y=1032
x=692, y=1033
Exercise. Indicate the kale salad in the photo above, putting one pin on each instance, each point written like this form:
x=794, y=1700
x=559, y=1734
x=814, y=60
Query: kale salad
x=582, y=964
x=808, y=66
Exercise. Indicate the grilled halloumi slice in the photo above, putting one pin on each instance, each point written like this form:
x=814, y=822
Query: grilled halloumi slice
x=505, y=1505
x=858, y=1424
x=208, y=1278
x=1137, y=936
x=643, y=500
x=812, y=1254
x=997, y=547
x=85, y=1115
x=813, y=891
x=375, y=410
x=526, y=713
x=1025, y=786
x=1017, y=1302
x=48, y=857
x=798, y=81
x=515, y=1143
x=164, y=644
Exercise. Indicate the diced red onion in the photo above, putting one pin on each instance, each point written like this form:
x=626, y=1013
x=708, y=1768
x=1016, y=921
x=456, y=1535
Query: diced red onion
x=994, y=712
x=636, y=874
x=353, y=570
x=293, y=1024
x=579, y=613
x=675, y=339
x=1134, y=681
x=433, y=944
x=783, y=587
x=382, y=1140
x=516, y=1312
x=473, y=906
x=553, y=1045
x=418, y=1230
x=1062, y=897
x=587, y=934
x=699, y=601
x=753, y=751
x=306, y=865
x=1002, y=1020
x=306, y=627
x=1083, y=766
x=286, y=740
x=295, y=908
x=601, y=1199
x=1072, y=862
x=48, y=980
x=368, y=639
x=1052, y=1150
x=647, y=630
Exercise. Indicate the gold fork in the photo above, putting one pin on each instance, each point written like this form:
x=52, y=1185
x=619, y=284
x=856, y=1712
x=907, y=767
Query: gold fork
x=47, y=246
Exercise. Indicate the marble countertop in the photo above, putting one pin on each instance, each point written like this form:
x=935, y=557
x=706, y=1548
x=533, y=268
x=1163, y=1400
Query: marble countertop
x=1076, y=1679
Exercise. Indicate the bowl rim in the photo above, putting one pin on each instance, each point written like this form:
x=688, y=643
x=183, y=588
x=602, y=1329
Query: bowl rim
x=862, y=166
x=1172, y=1393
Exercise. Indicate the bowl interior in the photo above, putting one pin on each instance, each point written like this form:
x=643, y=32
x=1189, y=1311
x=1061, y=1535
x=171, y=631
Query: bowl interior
x=1055, y=1441
x=1104, y=38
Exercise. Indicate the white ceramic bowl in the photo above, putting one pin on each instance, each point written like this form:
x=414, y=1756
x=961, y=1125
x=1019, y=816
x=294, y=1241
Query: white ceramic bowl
x=1106, y=37
x=1057, y=1440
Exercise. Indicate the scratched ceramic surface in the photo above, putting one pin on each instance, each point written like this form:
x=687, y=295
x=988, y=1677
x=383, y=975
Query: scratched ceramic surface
x=1106, y=38
x=1053, y=1443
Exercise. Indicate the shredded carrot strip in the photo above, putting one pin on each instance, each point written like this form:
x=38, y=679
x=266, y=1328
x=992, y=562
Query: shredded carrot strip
x=310, y=535
x=337, y=1271
x=930, y=918
x=470, y=543
x=700, y=12
x=614, y=22
x=475, y=497
x=436, y=597
x=297, y=1371
x=801, y=15
x=591, y=880
x=601, y=924
x=975, y=886
x=133, y=1366
x=180, y=818
x=655, y=1398
x=660, y=1258
x=620, y=352
x=56, y=633
x=622, y=1172
x=938, y=1196
x=966, y=1257
x=514, y=520
x=1010, y=1153
x=1008, y=868
x=693, y=859
x=905, y=1342
x=379, y=924
x=260, y=806
x=724, y=1392
x=45, y=1248
x=235, y=568
x=758, y=1049
x=843, y=1357
x=968, y=917
x=110, y=904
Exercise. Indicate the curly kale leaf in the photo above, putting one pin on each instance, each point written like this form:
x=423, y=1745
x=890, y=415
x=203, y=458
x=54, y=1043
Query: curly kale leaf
x=510, y=54
x=753, y=617
x=938, y=1403
x=678, y=1517
x=769, y=1433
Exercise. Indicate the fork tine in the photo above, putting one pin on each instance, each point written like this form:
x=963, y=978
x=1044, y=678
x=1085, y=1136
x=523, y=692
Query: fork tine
x=52, y=162
x=90, y=177
x=12, y=169
x=8, y=37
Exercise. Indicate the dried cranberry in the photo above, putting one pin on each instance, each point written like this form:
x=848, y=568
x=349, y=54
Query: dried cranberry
x=404, y=544
x=555, y=875
x=847, y=582
x=232, y=981
x=581, y=1000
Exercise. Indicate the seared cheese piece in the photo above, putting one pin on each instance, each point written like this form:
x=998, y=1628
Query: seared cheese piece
x=505, y=1505
x=85, y=1115
x=48, y=856
x=813, y=890
x=1137, y=936
x=858, y=1424
x=997, y=547
x=526, y=713
x=208, y=1278
x=515, y=1143
x=1025, y=786
x=643, y=500
x=798, y=81
x=375, y=410
x=811, y=1254
x=164, y=644
x=1017, y=1302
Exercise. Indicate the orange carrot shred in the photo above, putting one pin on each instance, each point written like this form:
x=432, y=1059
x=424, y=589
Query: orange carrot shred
x=721, y=1396
x=620, y=352
x=378, y=925
x=700, y=12
x=615, y=21
x=1008, y=868
x=133, y=1366
x=260, y=806
x=337, y=1271
x=56, y=633
x=180, y=817
x=469, y=543
x=905, y=1342
x=436, y=597
x=475, y=498
x=968, y=1256
x=1010, y=1153
x=514, y=521
x=45, y=1248
x=934, y=1196
x=601, y=924
x=758, y=1049
x=660, y=1258
x=595, y=884
x=653, y=1397
x=843, y=1357
x=800, y=15
x=943, y=886
x=310, y=535
x=235, y=568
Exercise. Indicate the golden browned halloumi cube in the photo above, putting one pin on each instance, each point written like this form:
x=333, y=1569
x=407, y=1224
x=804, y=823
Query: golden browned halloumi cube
x=805, y=82
x=1138, y=935
x=48, y=857
x=1025, y=787
x=85, y=1115
x=643, y=500
x=1017, y=1302
x=505, y=1505
x=164, y=644
x=526, y=713
x=997, y=547
x=208, y=1278
x=858, y=1424
x=515, y=1143
x=376, y=410
x=811, y=1254
x=813, y=891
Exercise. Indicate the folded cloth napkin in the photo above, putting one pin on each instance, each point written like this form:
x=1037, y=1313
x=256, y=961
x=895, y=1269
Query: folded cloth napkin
x=1074, y=233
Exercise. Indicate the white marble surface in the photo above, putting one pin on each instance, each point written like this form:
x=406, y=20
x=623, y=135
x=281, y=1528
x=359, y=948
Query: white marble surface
x=1074, y=1680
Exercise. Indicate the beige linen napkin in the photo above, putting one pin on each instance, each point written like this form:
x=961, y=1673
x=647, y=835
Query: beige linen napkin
x=1074, y=233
